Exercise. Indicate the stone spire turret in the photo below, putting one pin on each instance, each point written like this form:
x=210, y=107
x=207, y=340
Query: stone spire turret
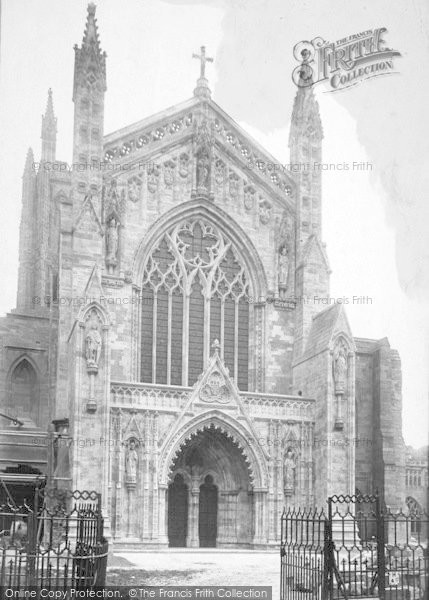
x=49, y=131
x=90, y=61
x=26, y=236
x=312, y=268
x=305, y=143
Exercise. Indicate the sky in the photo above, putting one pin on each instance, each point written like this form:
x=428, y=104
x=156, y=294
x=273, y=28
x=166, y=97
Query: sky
x=375, y=222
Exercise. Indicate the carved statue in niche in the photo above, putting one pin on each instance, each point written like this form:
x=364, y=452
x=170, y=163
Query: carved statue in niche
x=112, y=244
x=93, y=342
x=114, y=199
x=283, y=270
x=289, y=467
x=131, y=463
x=340, y=366
x=203, y=170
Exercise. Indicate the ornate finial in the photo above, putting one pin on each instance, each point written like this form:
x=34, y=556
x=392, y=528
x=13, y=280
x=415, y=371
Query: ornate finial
x=216, y=347
x=90, y=35
x=202, y=88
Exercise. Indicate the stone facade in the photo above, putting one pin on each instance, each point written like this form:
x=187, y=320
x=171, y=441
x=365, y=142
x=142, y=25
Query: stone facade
x=166, y=327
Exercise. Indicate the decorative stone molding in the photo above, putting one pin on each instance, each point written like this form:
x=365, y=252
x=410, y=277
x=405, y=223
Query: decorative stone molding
x=233, y=429
x=149, y=136
x=173, y=399
x=215, y=390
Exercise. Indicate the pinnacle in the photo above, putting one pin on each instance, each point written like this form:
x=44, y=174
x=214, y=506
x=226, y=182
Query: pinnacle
x=90, y=36
x=49, y=121
x=306, y=109
x=49, y=112
x=29, y=161
x=90, y=61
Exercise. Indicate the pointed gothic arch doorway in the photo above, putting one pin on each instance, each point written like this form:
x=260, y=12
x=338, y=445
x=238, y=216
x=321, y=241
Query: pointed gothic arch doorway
x=219, y=497
x=177, y=512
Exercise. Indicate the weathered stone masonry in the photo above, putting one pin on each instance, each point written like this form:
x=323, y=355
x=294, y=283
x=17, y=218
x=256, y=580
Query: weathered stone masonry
x=161, y=327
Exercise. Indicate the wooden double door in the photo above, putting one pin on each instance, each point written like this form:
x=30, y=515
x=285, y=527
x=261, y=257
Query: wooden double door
x=178, y=513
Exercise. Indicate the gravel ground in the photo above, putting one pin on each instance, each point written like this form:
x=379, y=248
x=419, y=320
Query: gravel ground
x=200, y=567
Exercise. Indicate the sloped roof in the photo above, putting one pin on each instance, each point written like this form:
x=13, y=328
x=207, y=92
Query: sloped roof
x=367, y=345
x=325, y=325
x=314, y=242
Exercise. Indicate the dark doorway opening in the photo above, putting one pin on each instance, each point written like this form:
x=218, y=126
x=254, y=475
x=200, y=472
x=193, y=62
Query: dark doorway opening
x=207, y=527
x=177, y=513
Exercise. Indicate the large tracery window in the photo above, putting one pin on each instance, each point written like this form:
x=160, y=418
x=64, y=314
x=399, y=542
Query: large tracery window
x=195, y=290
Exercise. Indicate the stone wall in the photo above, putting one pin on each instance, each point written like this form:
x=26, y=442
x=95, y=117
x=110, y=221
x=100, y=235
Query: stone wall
x=379, y=420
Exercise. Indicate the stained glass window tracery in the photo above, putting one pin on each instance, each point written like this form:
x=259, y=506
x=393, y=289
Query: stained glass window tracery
x=195, y=289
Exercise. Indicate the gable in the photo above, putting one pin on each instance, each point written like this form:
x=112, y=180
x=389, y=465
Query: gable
x=325, y=327
x=151, y=138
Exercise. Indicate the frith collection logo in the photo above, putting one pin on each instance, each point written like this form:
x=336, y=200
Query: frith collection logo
x=344, y=63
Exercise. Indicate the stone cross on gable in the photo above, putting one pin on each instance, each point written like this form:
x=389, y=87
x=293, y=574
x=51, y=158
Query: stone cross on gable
x=203, y=58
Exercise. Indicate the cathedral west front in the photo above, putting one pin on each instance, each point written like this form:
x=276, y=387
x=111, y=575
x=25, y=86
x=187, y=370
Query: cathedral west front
x=166, y=349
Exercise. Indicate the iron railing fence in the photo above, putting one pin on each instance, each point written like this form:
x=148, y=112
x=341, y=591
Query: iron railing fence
x=53, y=541
x=356, y=548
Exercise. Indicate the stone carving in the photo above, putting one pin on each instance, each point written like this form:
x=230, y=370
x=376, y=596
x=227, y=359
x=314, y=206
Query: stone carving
x=283, y=271
x=249, y=197
x=264, y=212
x=169, y=167
x=215, y=389
x=112, y=243
x=204, y=139
x=152, y=179
x=131, y=463
x=204, y=136
x=289, y=467
x=340, y=367
x=134, y=189
x=184, y=165
x=234, y=185
x=219, y=172
x=114, y=199
x=93, y=342
x=87, y=219
x=203, y=169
